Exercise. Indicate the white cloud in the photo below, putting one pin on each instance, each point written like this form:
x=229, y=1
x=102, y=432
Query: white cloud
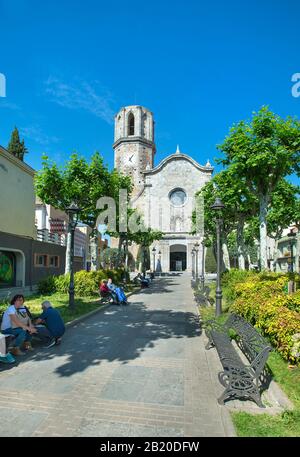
x=36, y=134
x=81, y=96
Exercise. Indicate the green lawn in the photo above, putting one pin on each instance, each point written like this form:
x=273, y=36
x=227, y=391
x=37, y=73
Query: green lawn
x=61, y=302
x=286, y=424
x=83, y=305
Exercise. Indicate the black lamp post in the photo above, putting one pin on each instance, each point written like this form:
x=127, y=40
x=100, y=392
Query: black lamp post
x=72, y=211
x=203, y=265
x=291, y=236
x=153, y=252
x=196, y=247
x=218, y=206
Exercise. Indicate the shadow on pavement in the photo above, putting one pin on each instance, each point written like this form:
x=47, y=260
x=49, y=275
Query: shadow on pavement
x=120, y=333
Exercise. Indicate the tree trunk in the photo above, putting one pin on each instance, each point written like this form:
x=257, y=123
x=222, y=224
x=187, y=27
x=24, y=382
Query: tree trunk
x=263, y=210
x=240, y=244
x=297, y=269
x=275, y=255
x=225, y=252
x=249, y=261
x=121, y=239
x=94, y=251
x=126, y=256
x=68, y=251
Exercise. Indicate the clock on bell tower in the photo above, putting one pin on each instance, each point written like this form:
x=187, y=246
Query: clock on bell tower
x=134, y=146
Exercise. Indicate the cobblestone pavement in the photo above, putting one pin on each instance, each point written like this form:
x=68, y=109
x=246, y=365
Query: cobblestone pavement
x=139, y=370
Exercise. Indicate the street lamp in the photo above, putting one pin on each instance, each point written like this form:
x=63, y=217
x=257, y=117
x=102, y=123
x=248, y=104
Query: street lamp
x=72, y=211
x=196, y=247
x=153, y=252
x=291, y=236
x=218, y=206
x=203, y=265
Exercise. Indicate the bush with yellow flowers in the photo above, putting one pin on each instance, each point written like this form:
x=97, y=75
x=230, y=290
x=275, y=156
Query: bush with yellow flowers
x=262, y=300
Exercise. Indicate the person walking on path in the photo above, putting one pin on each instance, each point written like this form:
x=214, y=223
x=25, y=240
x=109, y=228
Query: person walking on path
x=53, y=328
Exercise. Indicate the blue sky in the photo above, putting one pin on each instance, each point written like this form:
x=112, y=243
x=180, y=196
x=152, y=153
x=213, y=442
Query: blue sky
x=199, y=66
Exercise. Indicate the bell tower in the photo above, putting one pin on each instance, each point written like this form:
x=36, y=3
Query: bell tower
x=134, y=146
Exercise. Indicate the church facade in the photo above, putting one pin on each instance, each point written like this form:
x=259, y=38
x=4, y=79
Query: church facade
x=164, y=194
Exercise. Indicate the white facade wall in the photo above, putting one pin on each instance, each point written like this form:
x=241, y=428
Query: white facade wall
x=17, y=201
x=177, y=173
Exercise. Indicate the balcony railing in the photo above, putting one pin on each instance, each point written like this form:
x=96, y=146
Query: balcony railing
x=48, y=237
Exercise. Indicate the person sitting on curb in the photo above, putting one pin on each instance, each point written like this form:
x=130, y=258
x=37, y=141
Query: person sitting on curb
x=53, y=328
x=17, y=322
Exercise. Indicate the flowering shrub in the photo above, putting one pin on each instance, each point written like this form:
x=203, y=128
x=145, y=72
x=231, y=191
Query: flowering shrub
x=261, y=299
x=233, y=277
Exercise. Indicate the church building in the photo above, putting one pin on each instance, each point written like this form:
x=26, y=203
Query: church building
x=164, y=194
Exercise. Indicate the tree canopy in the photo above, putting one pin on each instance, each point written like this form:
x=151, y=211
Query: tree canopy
x=261, y=152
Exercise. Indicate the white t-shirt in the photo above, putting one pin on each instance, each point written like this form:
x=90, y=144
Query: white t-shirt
x=6, y=322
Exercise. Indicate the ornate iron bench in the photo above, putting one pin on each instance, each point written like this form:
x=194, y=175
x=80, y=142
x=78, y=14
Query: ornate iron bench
x=241, y=380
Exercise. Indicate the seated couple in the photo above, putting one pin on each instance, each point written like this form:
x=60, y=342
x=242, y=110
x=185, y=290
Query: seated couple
x=17, y=321
x=116, y=294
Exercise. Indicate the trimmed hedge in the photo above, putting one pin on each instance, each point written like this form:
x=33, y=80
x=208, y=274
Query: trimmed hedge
x=86, y=282
x=262, y=299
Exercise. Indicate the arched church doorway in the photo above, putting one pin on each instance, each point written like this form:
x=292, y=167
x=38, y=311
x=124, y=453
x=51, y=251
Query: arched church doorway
x=177, y=257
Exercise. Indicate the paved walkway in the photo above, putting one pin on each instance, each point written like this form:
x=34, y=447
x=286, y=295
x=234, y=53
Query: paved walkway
x=140, y=370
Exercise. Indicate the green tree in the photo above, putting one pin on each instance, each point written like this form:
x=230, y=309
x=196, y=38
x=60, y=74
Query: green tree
x=110, y=257
x=283, y=208
x=16, y=146
x=123, y=211
x=144, y=237
x=222, y=185
x=263, y=151
x=284, y=211
x=297, y=223
x=80, y=182
x=240, y=204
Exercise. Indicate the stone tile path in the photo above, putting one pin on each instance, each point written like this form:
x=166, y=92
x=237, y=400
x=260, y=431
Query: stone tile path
x=140, y=370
